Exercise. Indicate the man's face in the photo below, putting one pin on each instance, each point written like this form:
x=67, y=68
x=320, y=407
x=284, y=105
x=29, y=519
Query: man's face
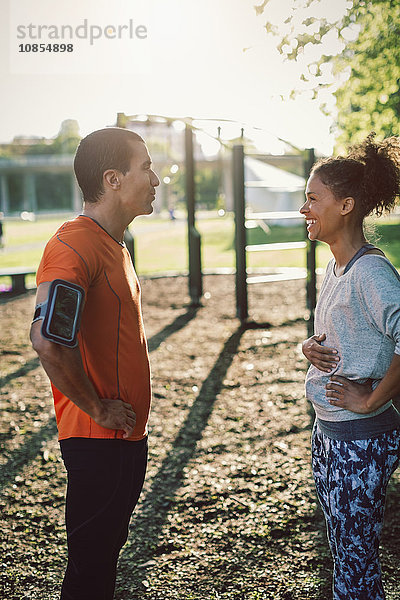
x=137, y=190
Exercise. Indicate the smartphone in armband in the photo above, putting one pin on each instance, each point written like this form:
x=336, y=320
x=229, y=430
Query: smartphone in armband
x=61, y=312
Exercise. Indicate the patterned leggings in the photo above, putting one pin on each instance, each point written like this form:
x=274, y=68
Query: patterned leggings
x=351, y=480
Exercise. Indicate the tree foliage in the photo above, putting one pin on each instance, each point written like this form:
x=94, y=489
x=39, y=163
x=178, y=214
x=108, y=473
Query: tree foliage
x=370, y=98
x=363, y=70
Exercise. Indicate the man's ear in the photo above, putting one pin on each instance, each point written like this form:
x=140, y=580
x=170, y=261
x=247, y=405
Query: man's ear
x=348, y=205
x=111, y=179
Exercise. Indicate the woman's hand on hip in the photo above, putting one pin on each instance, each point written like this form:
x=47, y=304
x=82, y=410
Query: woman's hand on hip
x=322, y=357
x=348, y=394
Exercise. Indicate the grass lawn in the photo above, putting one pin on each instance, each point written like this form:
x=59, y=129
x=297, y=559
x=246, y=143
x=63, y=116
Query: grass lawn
x=160, y=245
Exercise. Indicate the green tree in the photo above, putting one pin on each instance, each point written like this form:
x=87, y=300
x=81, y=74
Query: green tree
x=207, y=182
x=65, y=142
x=364, y=74
x=370, y=99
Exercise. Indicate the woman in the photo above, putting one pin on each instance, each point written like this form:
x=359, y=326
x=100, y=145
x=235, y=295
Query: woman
x=355, y=360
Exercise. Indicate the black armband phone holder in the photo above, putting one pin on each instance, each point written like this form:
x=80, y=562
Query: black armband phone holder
x=61, y=312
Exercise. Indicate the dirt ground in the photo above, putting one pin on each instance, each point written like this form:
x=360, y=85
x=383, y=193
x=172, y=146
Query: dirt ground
x=228, y=511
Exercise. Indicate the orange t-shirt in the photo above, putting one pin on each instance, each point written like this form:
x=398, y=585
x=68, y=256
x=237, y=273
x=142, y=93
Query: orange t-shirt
x=111, y=337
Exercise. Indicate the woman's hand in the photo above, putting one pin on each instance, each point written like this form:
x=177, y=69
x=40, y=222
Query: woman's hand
x=350, y=395
x=322, y=357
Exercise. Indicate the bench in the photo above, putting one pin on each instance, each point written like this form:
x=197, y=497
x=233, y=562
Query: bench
x=17, y=275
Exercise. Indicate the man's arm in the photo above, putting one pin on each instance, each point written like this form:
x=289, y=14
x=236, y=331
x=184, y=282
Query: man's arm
x=359, y=398
x=65, y=370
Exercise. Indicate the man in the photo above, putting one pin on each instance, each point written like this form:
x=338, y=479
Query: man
x=100, y=376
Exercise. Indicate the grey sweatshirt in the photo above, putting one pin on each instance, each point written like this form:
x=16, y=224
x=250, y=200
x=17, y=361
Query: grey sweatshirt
x=360, y=314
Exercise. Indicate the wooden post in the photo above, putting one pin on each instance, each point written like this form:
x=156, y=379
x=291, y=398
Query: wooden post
x=240, y=233
x=194, y=238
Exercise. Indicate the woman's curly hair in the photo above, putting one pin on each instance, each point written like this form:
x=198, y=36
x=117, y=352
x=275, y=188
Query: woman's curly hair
x=370, y=173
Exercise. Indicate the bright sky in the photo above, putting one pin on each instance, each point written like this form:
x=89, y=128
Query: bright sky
x=186, y=59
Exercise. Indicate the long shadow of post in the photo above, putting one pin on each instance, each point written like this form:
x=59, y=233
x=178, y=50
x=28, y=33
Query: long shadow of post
x=26, y=453
x=23, y=370
x=179, y=323
x=153, y=512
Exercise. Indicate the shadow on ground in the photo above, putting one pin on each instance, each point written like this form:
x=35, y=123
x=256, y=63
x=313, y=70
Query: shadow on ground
x=154, y=509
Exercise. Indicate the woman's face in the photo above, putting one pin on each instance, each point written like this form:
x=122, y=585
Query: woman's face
x=322, y=211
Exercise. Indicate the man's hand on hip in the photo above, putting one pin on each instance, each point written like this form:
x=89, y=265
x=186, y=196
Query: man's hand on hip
x=115, y=414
